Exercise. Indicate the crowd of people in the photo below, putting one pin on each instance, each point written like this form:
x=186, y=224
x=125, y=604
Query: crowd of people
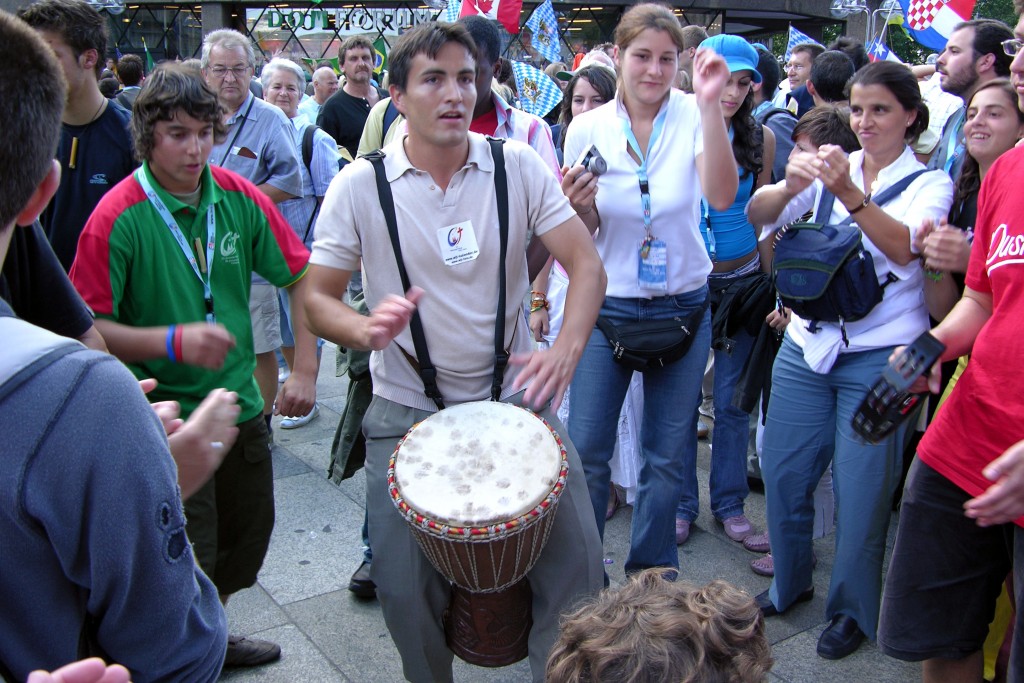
x=177, y=249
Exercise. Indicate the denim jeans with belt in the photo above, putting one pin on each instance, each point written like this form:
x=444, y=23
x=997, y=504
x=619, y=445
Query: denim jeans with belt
x=668, y=432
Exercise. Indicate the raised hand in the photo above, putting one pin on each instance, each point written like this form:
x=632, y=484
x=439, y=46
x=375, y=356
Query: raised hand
x=710, y=74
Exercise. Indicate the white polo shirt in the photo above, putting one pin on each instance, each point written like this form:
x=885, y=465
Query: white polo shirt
x=675, y=195
x=460, y=299
x=902, y=315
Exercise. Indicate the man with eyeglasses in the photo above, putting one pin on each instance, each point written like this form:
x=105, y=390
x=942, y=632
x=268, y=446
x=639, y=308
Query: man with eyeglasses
x=259, y=147
x=1012, y=48
x=973, y=55
x=798, y=70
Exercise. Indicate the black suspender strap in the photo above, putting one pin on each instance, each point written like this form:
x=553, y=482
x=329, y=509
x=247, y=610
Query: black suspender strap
x=501, y=194
x=427, y=371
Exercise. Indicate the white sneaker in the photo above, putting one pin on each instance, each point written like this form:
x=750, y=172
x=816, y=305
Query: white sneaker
x=283, y=374
x=707, y=408
x=295, y=422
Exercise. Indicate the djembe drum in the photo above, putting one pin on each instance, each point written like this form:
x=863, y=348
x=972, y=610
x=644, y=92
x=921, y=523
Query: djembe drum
x=479, y=484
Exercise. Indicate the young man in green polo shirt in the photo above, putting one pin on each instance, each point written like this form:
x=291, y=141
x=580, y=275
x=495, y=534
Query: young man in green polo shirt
x=165, y=261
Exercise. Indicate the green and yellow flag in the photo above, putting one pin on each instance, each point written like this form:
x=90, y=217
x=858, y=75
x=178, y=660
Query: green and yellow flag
x=380, y=59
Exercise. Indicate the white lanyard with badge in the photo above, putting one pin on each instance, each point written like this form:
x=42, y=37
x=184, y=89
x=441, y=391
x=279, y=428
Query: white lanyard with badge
x=652, y=255
x=179, y=237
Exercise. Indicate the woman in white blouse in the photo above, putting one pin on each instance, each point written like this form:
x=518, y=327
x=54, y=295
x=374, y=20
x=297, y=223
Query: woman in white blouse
x=820, y=378
x=664, y=149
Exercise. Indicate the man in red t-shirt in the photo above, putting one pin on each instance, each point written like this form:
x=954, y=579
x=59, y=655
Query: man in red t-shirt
x=964, y=500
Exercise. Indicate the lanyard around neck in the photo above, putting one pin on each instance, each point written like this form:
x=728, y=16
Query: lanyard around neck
x=211, y=237
x=641, y=171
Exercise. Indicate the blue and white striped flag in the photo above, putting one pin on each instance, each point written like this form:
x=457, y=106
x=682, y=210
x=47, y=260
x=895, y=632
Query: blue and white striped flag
x=543, y=24
x=538, y=94
x=797, y=37
x=451, y=11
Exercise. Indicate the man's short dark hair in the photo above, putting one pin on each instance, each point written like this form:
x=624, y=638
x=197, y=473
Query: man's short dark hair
x=829, y=74
x=109, y=87
x=485, y=34
x=170, y=89
x=75, y=21
x=31, y=121
x=425, y=39
x=354, y=43
x=852, y=48
x=989, y=35
x=693, y=35
x=771, y=74
x=130, y=70
x=828, y=124
x=812, y=50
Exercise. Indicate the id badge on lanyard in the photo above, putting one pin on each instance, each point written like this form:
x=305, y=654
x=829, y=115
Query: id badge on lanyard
x=653, y=264
x=652, y=253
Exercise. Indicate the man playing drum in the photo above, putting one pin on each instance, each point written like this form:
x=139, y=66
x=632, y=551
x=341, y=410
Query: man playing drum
x=442, y=179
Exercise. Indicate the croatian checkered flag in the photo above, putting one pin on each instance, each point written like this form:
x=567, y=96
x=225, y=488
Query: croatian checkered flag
x=538, y=94
x=797, y=37
x=930, y=22
x=543, y=24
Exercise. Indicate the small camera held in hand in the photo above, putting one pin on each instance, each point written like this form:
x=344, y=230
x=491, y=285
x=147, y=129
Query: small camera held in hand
x=592, y=160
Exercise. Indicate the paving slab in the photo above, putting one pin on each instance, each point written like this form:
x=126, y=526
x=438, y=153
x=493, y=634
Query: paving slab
x=327, y=634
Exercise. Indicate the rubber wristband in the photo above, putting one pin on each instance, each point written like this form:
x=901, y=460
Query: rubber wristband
x=178, y=333
x=170, y=344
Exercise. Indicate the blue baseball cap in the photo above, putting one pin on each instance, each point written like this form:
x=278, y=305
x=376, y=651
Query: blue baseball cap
x=738, y=53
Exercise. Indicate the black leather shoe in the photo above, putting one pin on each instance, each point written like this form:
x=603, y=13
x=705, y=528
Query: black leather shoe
x=841, y=638
x=767, y=607
x=360, y=583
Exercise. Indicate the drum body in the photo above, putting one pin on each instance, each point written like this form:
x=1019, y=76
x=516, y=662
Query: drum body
x=478, y=484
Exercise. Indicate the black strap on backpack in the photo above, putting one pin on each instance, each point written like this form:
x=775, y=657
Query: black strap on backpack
x=307, y=159
x=825, y=204
x=427, y=371
x=390, y=115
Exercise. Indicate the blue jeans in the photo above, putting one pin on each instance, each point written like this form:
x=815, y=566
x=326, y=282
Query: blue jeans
x=729, y=488
x=809, y=426
x=668, y=432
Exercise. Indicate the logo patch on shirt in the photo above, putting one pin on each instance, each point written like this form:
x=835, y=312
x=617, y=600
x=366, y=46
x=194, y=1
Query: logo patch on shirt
x=1004, y=249
x=98, y=179
x=229, y=248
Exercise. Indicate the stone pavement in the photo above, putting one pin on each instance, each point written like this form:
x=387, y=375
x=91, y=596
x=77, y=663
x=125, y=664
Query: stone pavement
x=327, y=634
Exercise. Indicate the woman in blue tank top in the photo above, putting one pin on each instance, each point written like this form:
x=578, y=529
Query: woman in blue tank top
x=731, y=242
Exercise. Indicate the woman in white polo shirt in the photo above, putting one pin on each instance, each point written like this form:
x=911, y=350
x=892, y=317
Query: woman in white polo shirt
x=664, y=150
x=824, y=370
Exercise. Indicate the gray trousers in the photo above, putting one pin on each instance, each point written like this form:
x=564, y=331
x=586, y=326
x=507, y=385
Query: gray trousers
x=413, y=594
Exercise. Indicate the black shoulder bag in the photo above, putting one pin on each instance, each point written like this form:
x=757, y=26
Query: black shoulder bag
x=426, y=369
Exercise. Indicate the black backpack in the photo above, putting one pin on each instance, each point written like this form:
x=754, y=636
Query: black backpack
x=824, y=273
